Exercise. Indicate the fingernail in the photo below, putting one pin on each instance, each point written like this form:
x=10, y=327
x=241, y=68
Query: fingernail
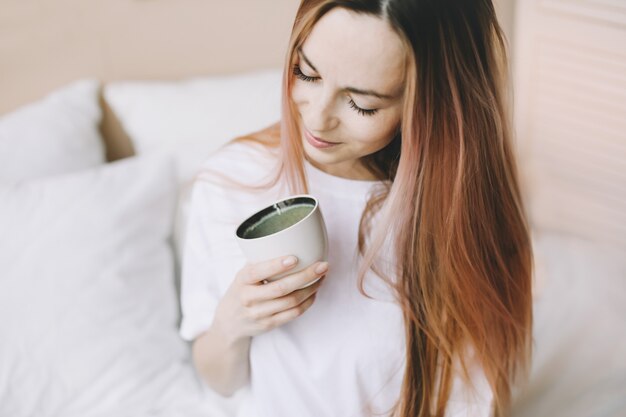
x=321, y=268
x=291, y=260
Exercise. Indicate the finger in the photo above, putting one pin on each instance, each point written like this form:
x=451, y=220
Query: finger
x=256, y=273
x=290, y=283
x=286, y=316
x=269, y=308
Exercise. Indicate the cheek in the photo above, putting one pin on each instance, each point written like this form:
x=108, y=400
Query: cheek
x=299, y=94
x=375, y=132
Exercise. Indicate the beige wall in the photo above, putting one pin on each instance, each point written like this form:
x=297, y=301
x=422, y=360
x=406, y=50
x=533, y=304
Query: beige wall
x=44, y=44
x=570, y=99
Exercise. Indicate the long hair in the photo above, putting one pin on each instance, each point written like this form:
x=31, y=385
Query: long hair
x=463, y=259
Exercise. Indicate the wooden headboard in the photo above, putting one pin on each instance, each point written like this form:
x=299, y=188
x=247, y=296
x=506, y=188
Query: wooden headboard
x=44, y=45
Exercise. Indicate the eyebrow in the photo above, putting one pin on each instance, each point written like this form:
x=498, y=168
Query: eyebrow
x=353, y=90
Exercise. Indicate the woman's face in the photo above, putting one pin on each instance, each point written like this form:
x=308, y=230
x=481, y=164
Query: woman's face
x=348, y=85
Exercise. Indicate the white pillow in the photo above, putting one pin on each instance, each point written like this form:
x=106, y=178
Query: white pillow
x=579, y=358
x=54, y=135
x=88, y=313
x=192, y=118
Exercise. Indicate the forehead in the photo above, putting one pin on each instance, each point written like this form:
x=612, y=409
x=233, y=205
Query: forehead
x=357, y=50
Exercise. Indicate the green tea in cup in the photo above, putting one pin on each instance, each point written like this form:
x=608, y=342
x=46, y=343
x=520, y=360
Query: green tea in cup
x=277, y=219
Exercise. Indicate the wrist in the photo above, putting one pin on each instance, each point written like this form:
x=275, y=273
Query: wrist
x=228, y=335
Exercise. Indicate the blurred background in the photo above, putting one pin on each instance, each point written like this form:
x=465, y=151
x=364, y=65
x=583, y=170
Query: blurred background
x=185, y=76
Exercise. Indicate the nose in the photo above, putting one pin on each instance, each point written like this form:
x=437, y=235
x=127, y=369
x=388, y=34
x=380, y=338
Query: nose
x=321, y=112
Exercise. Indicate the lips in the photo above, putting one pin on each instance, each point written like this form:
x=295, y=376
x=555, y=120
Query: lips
x=317, y=142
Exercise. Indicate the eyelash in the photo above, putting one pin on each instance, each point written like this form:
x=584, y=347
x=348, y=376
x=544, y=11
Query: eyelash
x=299, y=74
x=362, y=112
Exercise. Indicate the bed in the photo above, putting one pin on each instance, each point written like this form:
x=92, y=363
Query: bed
x=107, y=110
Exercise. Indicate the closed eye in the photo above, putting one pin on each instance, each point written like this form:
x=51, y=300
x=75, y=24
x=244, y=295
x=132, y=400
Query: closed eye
x=298, y=73
x=361, y=111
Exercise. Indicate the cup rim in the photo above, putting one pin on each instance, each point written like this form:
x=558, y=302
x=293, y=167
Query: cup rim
x=253, y=218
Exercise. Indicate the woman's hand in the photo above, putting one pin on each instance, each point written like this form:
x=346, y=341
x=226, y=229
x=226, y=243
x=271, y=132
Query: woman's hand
x=251, y=307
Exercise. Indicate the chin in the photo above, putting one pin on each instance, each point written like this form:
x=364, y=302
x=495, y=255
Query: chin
x=317, y=155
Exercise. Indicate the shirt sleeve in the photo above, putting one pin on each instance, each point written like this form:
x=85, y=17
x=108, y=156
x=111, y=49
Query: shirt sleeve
x=211, y=257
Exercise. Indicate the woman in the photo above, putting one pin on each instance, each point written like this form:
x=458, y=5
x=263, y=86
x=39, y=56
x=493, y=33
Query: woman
x=394, y=117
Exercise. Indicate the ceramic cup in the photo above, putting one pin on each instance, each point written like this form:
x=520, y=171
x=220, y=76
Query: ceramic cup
x=291, y=226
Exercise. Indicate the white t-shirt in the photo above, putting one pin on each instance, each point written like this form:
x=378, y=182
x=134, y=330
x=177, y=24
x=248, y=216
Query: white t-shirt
x=346, y=355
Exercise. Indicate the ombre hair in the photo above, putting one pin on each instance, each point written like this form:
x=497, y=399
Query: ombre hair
x=463, y=259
